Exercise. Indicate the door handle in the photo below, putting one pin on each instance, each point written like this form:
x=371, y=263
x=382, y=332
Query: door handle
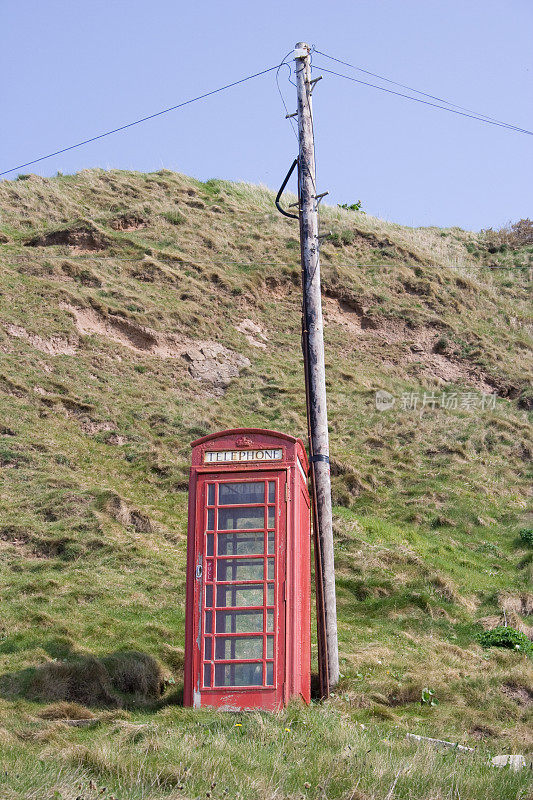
x=199, y=571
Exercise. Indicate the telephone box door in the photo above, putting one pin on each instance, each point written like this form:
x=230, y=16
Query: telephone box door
x=239, y=590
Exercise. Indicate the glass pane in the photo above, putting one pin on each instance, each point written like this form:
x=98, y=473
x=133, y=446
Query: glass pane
x=240, y=569
x=210, y=519
x=237, y=519
x=270, y=594
x=270, y=569
x=271, y=542
x=239, y=647
x=234, y=493
x=270, y=647
x=208, y=622
x=270, y=621
x=207, y=674
x=271, y=517
x=240, y=544
x=211, y=494
x=207, y=648
x=239, y=621
x=210, y=544
x=238, y=674
x=240, y=595
x=208, y=596
x=270, y=674
x=271, y=491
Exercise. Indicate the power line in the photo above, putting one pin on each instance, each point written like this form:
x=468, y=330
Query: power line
x=142, y=119
x=486, y=120
x=410, y=88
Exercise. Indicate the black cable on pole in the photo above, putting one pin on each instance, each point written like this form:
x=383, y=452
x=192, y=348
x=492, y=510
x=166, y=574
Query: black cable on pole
x=487, y=121
x=142, y=119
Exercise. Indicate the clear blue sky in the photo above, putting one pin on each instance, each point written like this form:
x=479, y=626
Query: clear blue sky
x=71, y=70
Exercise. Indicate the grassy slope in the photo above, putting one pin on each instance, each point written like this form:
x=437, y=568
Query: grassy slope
x=428, y=505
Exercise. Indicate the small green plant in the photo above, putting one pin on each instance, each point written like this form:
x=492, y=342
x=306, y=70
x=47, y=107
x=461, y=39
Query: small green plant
x=352, y=207
x=526, y=535
x=505, y=636
x=345, y=237
x=427, y=698
x=174, y=217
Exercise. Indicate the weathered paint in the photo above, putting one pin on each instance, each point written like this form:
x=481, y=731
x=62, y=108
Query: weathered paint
x=284, y=666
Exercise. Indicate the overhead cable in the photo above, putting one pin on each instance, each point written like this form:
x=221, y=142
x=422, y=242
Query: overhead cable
x=410, y=88
x=486, y=120
x=142, y=119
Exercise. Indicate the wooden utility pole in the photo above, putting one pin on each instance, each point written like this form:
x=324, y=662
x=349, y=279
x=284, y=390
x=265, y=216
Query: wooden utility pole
x=313, y=346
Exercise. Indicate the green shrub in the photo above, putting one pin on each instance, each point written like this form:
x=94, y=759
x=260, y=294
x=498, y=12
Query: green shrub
x=352, y=207
x=526, y=534
x=506, y=637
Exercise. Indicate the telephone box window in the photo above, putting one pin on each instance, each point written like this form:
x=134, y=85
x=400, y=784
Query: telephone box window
x=238, y=674
x=211, y=494
x=207, y=674
x=242, y=544
x=208, y=621
x=240, y=518
x=238, y=647
x=241, y=493
x=209, y=548
x=240, y=622
x=208, y=649
x=239, y=595
x=240, y=569
x=210, y=519
x=271, y=517
x=208, y=596
x=270, y=674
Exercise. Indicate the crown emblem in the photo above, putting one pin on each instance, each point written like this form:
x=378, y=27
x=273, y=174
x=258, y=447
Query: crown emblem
x=243, y=441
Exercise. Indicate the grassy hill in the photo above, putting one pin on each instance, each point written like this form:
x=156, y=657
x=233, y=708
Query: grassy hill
x=140, y=311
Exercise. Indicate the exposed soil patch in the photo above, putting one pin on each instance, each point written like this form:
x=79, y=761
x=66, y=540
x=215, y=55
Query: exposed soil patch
x=405, y=345
x=52, y=346
x=520, y=694
x=479, y=732
x=208, y=362
x=82, y=238
x=254, y=333
x=127, y=222
x=20, y=538
x=130, y=334
x=120, y=511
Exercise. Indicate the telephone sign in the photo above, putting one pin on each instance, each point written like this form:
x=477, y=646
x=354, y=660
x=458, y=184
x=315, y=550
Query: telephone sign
x=248, y=572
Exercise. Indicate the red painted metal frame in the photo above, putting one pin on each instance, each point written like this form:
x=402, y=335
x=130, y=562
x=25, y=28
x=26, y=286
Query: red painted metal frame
x=291, y=629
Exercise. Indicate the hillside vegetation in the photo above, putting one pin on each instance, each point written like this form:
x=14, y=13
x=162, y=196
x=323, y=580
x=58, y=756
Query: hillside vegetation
x=141, y=311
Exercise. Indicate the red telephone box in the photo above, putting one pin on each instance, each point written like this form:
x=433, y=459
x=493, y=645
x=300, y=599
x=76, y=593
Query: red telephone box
x=247, y=636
